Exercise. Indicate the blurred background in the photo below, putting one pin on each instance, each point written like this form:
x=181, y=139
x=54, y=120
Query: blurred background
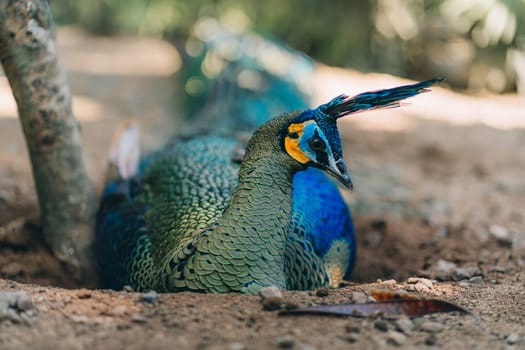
x=476, y=44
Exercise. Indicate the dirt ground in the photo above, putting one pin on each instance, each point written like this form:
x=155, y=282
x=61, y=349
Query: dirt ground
x=439, y=193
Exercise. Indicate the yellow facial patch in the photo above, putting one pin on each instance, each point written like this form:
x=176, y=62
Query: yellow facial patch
x=291, y=142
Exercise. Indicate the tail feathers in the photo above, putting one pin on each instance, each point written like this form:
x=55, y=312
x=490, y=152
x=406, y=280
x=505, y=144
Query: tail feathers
x=124, y=153
x=237, y=80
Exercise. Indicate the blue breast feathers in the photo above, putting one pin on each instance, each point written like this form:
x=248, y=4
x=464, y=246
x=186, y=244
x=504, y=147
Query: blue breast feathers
x=322, y=216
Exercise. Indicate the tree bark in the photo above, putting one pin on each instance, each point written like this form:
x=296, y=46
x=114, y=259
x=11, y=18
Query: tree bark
x=65, y=193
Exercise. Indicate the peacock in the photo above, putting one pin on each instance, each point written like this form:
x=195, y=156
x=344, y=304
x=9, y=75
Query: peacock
x=210, y=213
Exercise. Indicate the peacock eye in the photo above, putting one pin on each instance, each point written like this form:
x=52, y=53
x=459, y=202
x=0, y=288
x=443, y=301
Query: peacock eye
x=317, y=144
x=293, y=135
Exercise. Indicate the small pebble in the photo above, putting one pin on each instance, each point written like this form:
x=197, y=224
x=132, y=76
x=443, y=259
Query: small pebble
x=23, y=302
x=139, y=319
x=236, y=346
x=476, y=280
x=501, y=234
x=418, y=287
x=431, y=327
x=463, y=273
x=395, y=338
x=128, y=289
x=382, y=325
x=464, y=284
x=285, y=342
x=84, y=295
x=513, y=338
x=390, y=282
x=349, y=337
x=358, y=297
x=271, y=291
x=425, y=281
x=120, y=310
x=15, y=300
x=405, y=325
x=272, y=303
x=149, y=297
x=79, y=318
x=445, y=266
x=322, y=292
x=422, y=288
x=10, y=315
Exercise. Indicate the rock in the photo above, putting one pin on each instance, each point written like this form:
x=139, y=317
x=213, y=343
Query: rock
x=419, y=287
x=272, y=298
x=10, y=315
x=139, y=318
x=236, y=346
x=476, y=280
x=431, y=327
x=349, y=337
x=513, y=338
x=120, y=310
x=149, y=297
x=84, y=295
x=23, y=302
x=390, y=283
x=405, y=325
x=382, y=325
x=395, y=338
x=501, y=234
x=271, y=291
x=322, y=292
x=127, y=289
x=19, y=301
x=79, y=318
x=463, y=273
x=422, y=288
x=358, y=297
x=272, y=303
x=425, y=281
x=285, y=342
x=445, y=266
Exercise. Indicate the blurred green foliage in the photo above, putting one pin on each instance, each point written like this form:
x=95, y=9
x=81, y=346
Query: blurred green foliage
x=475, y=44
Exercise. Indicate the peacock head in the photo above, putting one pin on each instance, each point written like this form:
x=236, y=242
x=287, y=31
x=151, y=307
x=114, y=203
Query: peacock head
x=312, y=138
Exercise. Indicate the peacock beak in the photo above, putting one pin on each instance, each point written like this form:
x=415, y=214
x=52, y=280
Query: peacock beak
x=339, y=170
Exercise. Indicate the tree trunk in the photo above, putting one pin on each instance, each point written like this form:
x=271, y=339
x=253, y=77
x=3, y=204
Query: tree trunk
x=65, y=194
